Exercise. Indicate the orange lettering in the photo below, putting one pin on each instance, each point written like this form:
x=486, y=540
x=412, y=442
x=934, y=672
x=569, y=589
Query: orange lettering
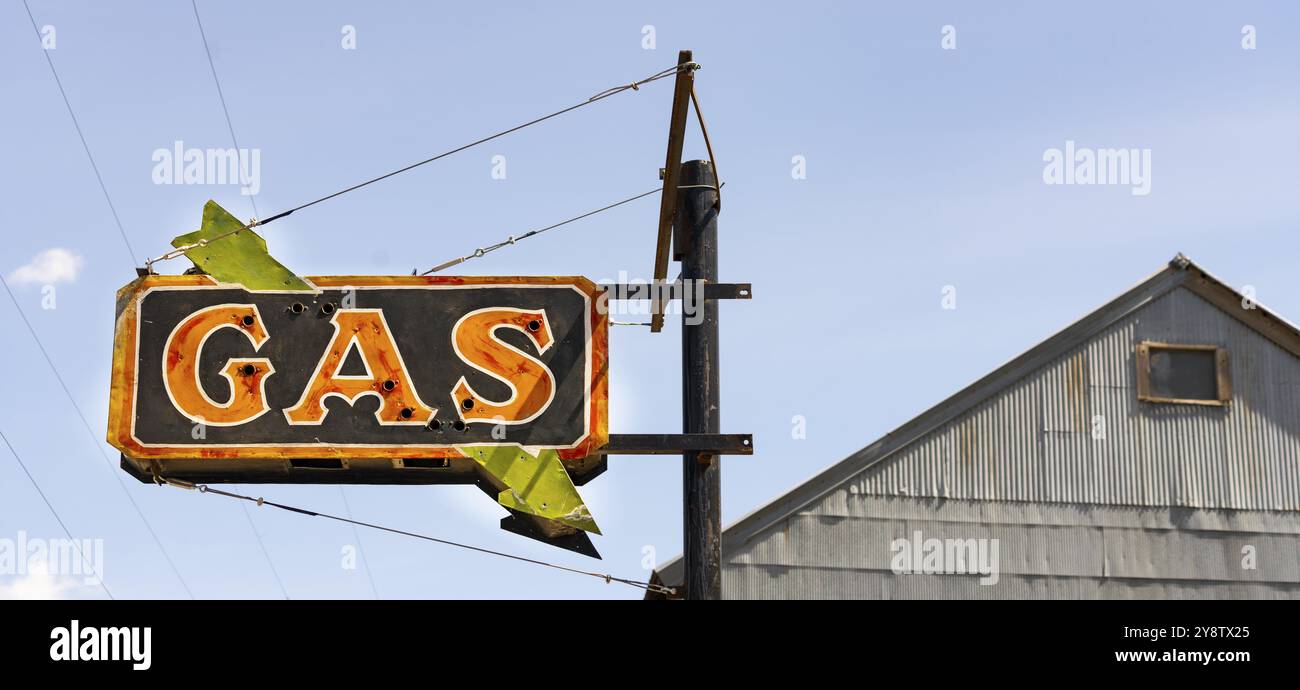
x=532, y=386
x=387, y=377
x=247, y=377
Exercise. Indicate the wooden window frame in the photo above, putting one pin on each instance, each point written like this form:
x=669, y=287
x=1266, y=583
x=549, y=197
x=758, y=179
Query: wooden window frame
x=1223, y=382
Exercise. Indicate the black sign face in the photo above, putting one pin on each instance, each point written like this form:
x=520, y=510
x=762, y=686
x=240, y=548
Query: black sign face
x=362, y=367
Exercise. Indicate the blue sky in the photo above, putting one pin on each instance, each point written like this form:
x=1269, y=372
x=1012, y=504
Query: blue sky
x=924, y=170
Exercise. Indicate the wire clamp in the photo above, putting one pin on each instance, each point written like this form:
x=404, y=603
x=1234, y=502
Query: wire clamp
x=156, y=471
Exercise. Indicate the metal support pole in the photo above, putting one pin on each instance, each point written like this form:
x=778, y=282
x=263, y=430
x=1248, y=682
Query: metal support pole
x=697, y=218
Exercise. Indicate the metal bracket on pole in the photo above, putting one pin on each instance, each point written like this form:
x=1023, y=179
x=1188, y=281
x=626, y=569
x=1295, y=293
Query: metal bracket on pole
x=676, y=444
x=671, y=291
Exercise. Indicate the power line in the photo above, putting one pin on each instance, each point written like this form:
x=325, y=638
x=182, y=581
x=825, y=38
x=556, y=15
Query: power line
x=365, y=562
x=95, y=439
x=222, y=96
x=203, y=488
x=121, y=231
x=267, y=554
x=98, y=576
x=230, y=125
x=512, y=239
x=634, y=86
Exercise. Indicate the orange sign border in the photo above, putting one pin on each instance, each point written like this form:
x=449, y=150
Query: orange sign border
x=122, y=394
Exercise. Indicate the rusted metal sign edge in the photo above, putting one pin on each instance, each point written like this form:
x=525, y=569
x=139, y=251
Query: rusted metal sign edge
x=394, y=471
x=125, y=361
x=672, y=170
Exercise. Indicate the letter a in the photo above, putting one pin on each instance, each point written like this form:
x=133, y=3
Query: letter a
x=386, y=378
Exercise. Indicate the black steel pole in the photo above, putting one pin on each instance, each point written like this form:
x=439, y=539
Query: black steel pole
x=697, y=239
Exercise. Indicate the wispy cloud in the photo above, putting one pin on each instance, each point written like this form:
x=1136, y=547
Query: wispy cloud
x=39, y=583
x=50, y=266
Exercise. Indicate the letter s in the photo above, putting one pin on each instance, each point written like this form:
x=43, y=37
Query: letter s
x=531, y=383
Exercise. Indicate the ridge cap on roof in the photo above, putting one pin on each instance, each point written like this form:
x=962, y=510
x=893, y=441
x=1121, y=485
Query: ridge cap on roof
x=1190, y=266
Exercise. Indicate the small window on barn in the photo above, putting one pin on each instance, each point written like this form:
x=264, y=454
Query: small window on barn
x=1183, y=374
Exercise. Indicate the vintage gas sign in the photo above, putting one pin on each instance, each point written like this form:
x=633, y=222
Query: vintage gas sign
x=358, y=367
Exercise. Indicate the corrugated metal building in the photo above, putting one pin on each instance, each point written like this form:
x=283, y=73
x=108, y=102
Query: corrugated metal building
x=1150, y=450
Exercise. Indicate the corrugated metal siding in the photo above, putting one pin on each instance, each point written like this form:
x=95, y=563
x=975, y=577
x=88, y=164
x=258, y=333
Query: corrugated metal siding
x=769, y=582
x=1026, y=549
x=840, y=547
x=1034, y=441
x=848, y=504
